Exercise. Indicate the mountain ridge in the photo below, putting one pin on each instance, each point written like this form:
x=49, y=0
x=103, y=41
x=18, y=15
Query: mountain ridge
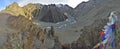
x=31, y=11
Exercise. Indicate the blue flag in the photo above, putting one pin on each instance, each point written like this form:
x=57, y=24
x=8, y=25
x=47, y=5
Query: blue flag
x=113, y=44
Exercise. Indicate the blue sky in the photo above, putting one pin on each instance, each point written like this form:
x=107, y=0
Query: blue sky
x=4, y=3
x=72, y=3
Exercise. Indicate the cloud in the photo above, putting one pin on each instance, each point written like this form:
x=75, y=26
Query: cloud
x=72, y=3
x=24, y=2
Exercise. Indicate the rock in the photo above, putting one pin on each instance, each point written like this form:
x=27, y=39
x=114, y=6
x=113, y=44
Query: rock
x=28, y=10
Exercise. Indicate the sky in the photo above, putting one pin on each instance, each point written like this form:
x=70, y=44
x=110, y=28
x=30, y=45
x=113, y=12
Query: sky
x=72, y=3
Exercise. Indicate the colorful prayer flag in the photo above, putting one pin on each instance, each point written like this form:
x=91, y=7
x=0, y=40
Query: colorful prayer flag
x=111, y=32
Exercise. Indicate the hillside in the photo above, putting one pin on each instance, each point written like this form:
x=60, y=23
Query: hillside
x=88, y=12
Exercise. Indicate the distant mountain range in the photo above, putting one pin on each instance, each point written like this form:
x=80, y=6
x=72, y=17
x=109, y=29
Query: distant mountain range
x=85, y=11
x=46, y=13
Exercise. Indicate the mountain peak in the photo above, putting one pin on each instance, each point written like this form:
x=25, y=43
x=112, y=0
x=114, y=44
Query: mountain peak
x=14, y=4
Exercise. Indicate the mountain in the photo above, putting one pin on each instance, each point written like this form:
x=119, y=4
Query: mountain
x=16, y=10
x=93, y=16
x=20, y=30
x=46, y=13
x=50, y=13
x=89, y=11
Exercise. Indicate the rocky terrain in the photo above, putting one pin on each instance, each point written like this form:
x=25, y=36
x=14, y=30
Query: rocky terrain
x=37, y=26
x=89, y=36
x=27, y=36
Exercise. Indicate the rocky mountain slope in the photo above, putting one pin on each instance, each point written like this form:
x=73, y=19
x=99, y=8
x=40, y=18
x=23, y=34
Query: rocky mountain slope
x=28, y=36
x=87, y=12
x=22, y=21
x=50, y=13
x=16, y=10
